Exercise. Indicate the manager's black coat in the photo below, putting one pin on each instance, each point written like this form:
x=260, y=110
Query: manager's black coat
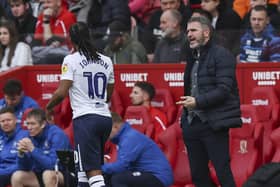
x=218, y=93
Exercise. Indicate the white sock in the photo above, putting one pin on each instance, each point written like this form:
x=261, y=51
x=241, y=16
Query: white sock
x=96, y=181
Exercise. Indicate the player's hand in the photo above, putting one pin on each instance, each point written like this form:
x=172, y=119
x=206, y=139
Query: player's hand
x=25, y=145
x=187, y=101
x=50, y=116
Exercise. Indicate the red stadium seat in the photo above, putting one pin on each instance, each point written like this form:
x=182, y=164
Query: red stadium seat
x=275, y=137
x=164, y=101
x=173, y=146
x=251, y=115
x=63, y=114
x=269, y=106
x=245, y=156
x=116, y=103
x=139, y=118
x=268, y=99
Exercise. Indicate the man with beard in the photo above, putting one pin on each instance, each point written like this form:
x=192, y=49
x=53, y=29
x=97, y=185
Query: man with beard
x=24, y=20
x=172, y=47
x=211, y=105
x=122, y=48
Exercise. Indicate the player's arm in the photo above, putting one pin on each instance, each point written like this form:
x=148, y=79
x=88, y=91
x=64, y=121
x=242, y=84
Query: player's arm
x=110, y=89
x=60, y=93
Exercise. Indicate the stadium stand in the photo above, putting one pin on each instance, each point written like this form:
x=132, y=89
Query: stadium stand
x=269, y=104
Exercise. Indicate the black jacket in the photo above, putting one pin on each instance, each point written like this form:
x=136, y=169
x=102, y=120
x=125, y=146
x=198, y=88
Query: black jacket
x=218, y=93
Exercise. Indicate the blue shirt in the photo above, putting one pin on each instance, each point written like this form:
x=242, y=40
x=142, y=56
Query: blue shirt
x=46, y=144
x=139, y=153
x=8, y=150
x=25, y=103
x=265, y=48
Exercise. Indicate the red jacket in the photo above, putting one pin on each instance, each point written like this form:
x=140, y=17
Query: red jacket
x=59, y=25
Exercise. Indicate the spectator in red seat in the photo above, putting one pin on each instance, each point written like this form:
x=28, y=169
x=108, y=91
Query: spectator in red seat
x=153, y=32
x=14, y=97
x=172, y=47
x=11, y=134
x=211, y=105
x=53, y=23
x=140, y=162
x=142, y=93
x=24, y=20
x=12, y=52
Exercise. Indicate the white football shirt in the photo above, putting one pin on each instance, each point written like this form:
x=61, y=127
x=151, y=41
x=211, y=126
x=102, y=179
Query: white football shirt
x=88, y=93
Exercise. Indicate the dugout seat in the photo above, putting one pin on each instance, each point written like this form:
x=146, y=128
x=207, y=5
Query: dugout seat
x=116, y=103
x=244, y=152
x=275, y=137
x=172, y=144
x=164, y=101
x=63, y=113
x=140, y=119
x=268, y=103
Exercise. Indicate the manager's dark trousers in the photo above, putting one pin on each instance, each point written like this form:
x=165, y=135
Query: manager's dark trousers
x=204, y=144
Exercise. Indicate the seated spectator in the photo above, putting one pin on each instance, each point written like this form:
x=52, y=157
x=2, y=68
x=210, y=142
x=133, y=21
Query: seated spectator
x=256, y=42
x=14, y=97
x=37, y=158
x=24, y=20
x=271, y=11
x=226, y=23
x=53, y=23
x=142, y=94
x=104, y=12
x=140, y=162
x=52, y=31
x=12, y=52
x=153, y=33
x=122, y=48
x=11, y=134
x=172, y=47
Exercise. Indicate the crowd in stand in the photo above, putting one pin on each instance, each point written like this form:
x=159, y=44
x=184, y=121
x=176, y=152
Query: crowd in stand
x=135, y=31
x=129, y=32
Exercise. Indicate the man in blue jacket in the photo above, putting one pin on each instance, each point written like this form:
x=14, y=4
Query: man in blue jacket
x=14, y=97
x=11, y=134
x=37, y=159
x=260, y=43
x=140, y=162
